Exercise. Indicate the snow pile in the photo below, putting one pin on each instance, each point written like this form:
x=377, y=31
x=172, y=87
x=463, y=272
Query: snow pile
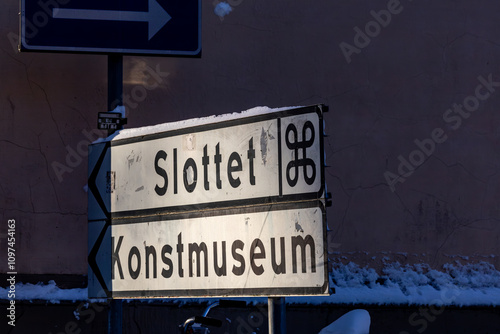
x=222, y=9
x=50, y=292
x=462, y=285
x=407, y=277
x=354, y=322
x=119, y=110
x=457, y=284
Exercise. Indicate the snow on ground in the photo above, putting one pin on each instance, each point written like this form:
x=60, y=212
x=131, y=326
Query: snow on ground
x=457, y=284
x=50, y=292
x=461, y=285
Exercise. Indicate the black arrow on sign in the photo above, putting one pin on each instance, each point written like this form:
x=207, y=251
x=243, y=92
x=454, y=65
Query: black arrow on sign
x=92, y=258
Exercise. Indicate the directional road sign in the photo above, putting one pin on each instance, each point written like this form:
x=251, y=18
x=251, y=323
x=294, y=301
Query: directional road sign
x=235, y=207
x=260, y=159
x=275, y=252
x=151, y=27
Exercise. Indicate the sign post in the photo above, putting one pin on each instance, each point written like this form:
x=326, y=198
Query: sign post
x=115, y=98
x=232, y=208
x=115, y=80
x=276, y=315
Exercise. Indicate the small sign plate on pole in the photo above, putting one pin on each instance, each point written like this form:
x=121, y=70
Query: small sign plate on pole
x=110, y=121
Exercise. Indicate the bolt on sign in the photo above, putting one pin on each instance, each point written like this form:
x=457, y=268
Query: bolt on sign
x=224, y=206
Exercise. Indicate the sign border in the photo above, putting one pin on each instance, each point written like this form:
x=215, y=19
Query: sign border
x=242, y=292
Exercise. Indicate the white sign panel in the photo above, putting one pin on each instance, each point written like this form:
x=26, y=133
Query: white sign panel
x=254, y=159
x=244, y=254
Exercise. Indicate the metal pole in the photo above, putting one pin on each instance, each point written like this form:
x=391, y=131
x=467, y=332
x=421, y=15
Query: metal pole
x=115, y=316
x=115, y=81
x=276, y=315
x=270, y=314
x=115, y=98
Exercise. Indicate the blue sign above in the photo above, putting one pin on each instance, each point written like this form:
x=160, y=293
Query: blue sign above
x=151, y=27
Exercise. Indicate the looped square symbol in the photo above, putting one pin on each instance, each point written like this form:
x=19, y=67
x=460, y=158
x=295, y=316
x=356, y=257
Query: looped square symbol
x=296, y=145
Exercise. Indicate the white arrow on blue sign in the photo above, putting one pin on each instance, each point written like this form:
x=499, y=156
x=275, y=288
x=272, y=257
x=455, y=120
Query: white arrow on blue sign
x=156, y=16
x=112, y=26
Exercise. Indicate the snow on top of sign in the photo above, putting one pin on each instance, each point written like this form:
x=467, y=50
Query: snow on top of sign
x=146, y=130
x=120, y=110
